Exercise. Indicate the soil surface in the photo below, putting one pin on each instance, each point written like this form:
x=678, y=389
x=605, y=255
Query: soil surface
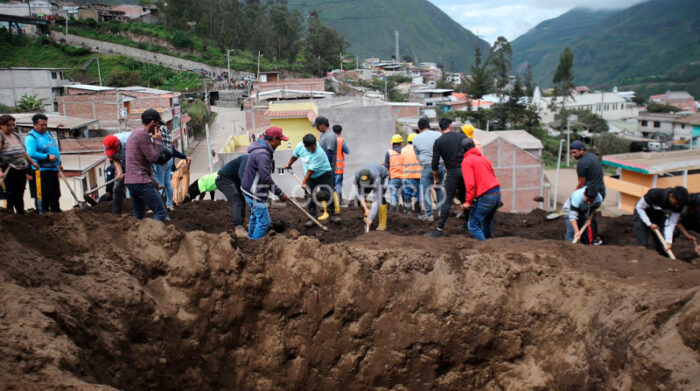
x=89, y=300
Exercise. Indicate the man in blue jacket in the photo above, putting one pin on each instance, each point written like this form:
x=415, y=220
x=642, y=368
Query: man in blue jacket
x=43, y=148
x=257, y=181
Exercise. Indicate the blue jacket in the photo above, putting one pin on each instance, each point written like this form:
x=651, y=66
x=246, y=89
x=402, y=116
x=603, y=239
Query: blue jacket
x=257, y=178
x=235, y=169
x=40, y=146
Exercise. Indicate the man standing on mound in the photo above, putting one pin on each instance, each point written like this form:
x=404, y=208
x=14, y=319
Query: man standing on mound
x=257, y=182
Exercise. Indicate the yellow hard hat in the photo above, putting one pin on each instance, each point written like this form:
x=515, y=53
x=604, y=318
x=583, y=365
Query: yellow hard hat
x=396, y=139
x=411, y=137
x=468, y=130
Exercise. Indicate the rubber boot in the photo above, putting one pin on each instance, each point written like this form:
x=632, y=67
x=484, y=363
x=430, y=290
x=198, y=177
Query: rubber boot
x=325, y=214
x=383, y=215
x=336, y=203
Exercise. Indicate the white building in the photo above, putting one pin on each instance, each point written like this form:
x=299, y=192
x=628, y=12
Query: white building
x=44, y=83
x=609, y=105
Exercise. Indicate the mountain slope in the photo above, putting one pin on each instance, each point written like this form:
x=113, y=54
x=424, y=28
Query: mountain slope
x=425, y=31
x=644, y=40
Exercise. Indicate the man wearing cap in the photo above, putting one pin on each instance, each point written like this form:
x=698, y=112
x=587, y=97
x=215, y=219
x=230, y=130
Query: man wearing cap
x=373, y=178
x=590, y=173
x=423, y=147
x=142, y=150
x=318, y=176
x=328, y=140
x=483, y=192
x=448, y=148
x=115, y=149
x=393, y=162
x=257, y=182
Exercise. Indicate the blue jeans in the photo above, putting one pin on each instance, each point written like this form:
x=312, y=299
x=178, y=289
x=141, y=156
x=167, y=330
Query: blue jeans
x=411, y=189
x=338, y=178
x=394, y=189
x=163, y=174
x=481, y=215
x=145, y=194
x=259, y=218
x=426, y=182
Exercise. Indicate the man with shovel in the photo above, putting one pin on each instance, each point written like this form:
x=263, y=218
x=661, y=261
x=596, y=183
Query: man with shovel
x=579, y=210
x=659, y=209
x=318, y=177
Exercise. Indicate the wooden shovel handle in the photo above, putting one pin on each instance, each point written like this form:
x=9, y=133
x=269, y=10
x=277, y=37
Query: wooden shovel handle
x=663, y=242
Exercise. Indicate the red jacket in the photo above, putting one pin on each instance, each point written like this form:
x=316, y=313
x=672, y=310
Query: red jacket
x=478, y=175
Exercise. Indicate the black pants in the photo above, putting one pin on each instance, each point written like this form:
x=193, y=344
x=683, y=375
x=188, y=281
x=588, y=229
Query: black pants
x=323, y=183
x=118, y=196
x=642, y=232
x=15, y=184
x=232, y=191
x=454, y=187
x=50, y=191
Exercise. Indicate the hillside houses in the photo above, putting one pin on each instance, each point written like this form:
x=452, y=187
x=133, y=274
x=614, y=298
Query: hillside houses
x=609, y=105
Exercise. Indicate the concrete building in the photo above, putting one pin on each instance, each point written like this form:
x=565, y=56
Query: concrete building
x=44, y=83
x=639, y=172
x=138, y=13
x=680, y=99
x=296, y=118
x=680, y=127
x=609, y=105
x=434, y=96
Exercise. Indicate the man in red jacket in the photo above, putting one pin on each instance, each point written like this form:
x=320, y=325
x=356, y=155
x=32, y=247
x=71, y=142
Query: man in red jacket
x=483, y=190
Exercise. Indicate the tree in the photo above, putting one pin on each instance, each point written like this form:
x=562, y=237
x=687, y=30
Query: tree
x=407, y=58
x=123, y=78
x=30, y=103
x=563, y=78
x=321, y=46
x=529, y=85
x=501, y=59
x=480, y=82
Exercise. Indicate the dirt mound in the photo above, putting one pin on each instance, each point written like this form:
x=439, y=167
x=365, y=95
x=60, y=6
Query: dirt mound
x=92, y=301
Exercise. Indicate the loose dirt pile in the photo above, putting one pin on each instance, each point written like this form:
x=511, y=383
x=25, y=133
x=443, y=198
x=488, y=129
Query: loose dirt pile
x=93, y=301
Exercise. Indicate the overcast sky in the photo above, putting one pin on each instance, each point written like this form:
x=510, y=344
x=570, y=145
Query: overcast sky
x=512, y=18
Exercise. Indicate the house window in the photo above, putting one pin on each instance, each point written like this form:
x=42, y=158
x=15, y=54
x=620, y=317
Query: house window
x=55, y=106
x=657, y=124
x=54, y=75
x=645, y=124
x=682, y=126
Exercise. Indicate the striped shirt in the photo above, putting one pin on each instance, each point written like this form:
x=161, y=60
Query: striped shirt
x=13, y=154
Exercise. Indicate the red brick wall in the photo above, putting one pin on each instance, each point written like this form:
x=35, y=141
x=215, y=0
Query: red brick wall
x=260, y=120
x=519, y=174
x=405, y=111
x=82, y=144
x=293, y=84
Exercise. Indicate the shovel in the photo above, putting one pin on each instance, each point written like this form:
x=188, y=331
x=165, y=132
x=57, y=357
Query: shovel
x=65, y=181
x=4, y=174
x=323, y=227
x=661, y=238
x=581, y=230
x=555, y=215
x=90, y=200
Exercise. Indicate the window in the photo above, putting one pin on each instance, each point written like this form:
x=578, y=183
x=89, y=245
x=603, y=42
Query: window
x=682, y=126
x=55, y=106
x=645, y=123
x=54, y=75
x=657, y=124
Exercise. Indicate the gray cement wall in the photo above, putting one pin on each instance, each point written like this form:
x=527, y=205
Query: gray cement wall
x=14, y=83
x=367, y=131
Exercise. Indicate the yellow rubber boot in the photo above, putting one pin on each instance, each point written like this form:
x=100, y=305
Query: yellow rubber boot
x=325, y=215
x=383, y=215
x=336, y=203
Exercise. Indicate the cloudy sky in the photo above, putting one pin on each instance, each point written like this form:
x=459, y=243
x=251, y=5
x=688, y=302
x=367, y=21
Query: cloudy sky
x=512, y=18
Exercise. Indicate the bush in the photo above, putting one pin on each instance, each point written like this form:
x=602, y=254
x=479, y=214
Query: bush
x=123, y=79
x=74, y=51
x=654, y=107
x=182, y=40
x=31, y=104
x=610, y=144
x=197, y=110
x=90, y=22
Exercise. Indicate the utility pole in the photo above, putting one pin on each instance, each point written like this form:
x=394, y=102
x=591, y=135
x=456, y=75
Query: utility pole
x=119, y=112
x=228, y=76
x=341, y=62
x=66, y=28
x=29, y=6
x=258, y=77
x=568, y=140
x=206, y=127
x=357, y=62
x=396, y=34
x=99, y=71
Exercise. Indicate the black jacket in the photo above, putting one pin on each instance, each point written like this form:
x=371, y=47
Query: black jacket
x=449, y=148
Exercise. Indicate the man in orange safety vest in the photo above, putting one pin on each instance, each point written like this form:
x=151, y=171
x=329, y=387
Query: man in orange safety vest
x=342, y=150
x=411, y=176
x=394, y=163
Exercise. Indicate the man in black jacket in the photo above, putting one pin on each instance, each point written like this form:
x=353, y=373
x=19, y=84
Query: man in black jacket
x=228, y=182
x=659, y=210
x=449, y=148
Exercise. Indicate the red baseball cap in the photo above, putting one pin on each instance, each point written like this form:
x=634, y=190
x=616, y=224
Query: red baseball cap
x=111, y=144
x=276, y=132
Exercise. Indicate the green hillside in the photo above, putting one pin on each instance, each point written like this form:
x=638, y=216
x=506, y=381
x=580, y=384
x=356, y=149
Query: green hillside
x=425, y=31
x=649, y=39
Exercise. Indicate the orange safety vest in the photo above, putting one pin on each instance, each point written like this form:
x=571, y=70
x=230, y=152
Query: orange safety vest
x=411, y=165
x=340, y=158
x=395, y=165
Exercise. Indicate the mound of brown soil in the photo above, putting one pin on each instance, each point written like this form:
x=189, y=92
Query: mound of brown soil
x=93, y=301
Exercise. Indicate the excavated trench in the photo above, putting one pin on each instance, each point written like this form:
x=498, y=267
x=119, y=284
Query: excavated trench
x=90, y=300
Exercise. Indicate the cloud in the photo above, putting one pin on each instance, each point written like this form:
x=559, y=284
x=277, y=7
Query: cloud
x=512, y=18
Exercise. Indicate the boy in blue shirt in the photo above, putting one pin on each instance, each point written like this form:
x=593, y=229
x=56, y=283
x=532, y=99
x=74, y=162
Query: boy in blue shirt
x=318, y=175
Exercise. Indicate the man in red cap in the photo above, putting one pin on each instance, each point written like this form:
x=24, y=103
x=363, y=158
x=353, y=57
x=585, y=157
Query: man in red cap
x=115, y=145
x=257, y=182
